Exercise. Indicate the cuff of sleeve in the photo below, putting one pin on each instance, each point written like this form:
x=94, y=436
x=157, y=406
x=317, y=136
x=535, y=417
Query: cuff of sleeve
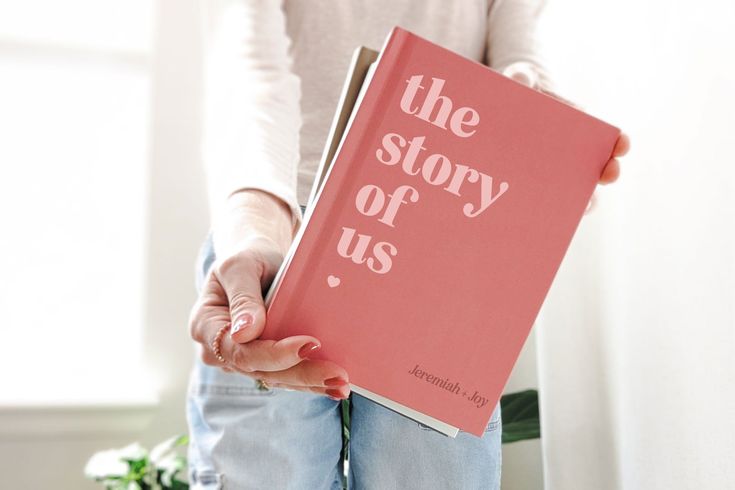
x=278, y=189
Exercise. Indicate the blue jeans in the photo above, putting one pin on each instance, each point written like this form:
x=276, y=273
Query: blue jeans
x=244, y=438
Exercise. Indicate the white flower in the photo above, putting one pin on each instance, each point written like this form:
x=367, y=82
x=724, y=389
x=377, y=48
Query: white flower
x=164, y=449
x=133, y=452
x=106, y=463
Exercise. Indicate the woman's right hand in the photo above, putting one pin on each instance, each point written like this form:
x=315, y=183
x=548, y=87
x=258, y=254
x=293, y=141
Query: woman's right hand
x=232, y=292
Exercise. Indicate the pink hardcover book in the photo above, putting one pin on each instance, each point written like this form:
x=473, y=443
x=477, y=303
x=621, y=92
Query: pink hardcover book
x=436, y=232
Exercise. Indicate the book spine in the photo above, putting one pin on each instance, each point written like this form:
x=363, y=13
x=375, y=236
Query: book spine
x=339, y=185
x=371, y=112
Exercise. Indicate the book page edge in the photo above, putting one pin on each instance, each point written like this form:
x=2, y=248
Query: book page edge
x=436, y=424
x=324, y=168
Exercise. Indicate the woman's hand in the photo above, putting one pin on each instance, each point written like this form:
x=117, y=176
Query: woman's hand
x=611, y=170
x=233, y=292
x=520, y=72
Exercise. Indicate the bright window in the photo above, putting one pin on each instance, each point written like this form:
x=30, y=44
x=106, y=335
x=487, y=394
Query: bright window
x=74, y=124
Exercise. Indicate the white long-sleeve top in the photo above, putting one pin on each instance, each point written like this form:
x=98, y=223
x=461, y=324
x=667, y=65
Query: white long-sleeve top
x=274, y=71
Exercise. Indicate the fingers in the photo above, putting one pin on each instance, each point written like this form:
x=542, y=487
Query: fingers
x=315, y=373
x=240, y=276
x=243, y=277
x=622, y=145
x=611, y=172
x=206, y=348
x=208, y=315
x=279, y=364
x=522, y=77
x=268, y=355
x=309, y=375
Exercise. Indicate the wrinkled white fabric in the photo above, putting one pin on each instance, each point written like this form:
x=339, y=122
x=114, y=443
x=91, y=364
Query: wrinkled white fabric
x=274, y=71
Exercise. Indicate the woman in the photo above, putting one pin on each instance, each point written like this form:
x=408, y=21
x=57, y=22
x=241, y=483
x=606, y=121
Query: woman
x=274, y=71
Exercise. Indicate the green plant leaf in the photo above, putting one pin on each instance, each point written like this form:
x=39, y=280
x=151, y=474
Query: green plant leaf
x=179, y=485
x=520, y=414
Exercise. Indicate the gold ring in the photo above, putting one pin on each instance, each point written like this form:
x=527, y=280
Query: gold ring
x=216, y=347
x=262, y=385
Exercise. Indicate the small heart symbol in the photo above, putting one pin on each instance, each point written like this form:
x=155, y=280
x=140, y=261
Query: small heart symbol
x=333, y=281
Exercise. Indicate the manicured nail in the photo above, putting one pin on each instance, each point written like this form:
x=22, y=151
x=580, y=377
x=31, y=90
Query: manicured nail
x=244, y=320
x=307, y=349
x=335, y=394
x=336, y=381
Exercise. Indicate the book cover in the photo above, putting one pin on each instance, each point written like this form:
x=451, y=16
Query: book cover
x=436, y=232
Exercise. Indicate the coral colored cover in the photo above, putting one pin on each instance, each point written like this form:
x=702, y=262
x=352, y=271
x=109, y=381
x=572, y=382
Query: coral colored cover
x=438, y=231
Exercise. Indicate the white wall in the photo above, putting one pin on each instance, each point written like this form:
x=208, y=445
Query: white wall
x=48, y=448
x=178, y=219
x=637, y=354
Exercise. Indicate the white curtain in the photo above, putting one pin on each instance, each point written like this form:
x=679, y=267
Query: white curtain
x=636, y=340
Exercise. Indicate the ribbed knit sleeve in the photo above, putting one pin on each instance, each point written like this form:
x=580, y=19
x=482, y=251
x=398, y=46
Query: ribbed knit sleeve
x=512, y=43
x=251, y=102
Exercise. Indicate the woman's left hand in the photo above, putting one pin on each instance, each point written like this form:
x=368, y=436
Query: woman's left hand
x=611, y=170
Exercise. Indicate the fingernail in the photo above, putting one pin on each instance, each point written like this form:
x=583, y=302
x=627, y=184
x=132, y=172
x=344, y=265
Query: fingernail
x=336, y=381
x=307, y=349
x=244, y=320
x=335, y=394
